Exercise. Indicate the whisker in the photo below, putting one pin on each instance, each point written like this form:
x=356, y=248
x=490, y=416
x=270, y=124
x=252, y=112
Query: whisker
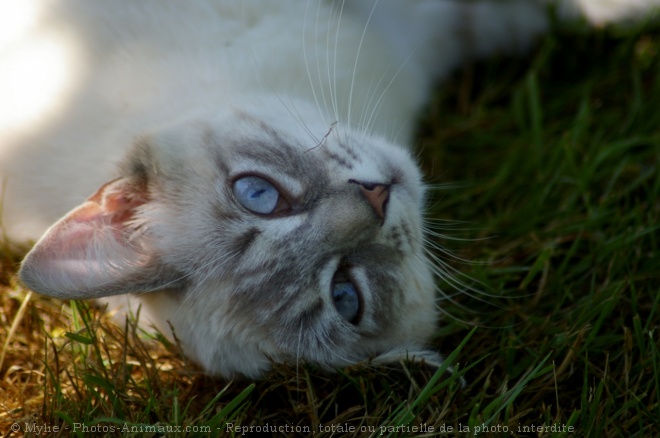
x=439, y=248
x=326, y=342
x=329, y=73
x=453, y=275
x=446, y=186
x=357, y=57
x=441, y=223
x=300, y=332
x=371, y=95
x=306, y=60
x=318, y=64
x=376, y=108
x=291, y=109
x=439, y=231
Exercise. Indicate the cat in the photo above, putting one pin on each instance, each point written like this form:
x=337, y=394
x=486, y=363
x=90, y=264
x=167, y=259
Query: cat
x=251, y=183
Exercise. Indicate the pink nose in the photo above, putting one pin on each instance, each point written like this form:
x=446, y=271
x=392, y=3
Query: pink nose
x=376, y=195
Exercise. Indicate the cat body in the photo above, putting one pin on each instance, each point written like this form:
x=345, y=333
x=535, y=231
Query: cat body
x=85, y=79
x=247, y=182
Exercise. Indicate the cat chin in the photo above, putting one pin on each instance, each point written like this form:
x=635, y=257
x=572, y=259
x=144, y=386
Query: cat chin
x=238, y=355
x=226, y=345
x=229, y=352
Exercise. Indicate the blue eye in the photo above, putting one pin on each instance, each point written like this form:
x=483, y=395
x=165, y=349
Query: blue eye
x=346, y=300
x=256, y=194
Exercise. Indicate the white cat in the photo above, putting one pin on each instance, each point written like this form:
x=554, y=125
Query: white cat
x=250, y=186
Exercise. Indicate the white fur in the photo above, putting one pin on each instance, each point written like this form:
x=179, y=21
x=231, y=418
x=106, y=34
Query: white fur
x=85, y=78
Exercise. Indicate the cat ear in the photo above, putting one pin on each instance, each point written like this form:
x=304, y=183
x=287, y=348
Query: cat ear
x=97, y=249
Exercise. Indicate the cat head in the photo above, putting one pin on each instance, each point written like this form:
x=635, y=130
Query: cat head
x=258, y=239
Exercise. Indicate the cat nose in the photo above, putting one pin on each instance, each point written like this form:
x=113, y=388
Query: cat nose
x=376, y=195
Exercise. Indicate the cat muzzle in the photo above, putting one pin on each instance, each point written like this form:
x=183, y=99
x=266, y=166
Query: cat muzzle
x=377, y=195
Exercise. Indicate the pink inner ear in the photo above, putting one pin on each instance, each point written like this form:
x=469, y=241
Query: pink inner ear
x=90, y=251
x=110, y=208
x=117, y=200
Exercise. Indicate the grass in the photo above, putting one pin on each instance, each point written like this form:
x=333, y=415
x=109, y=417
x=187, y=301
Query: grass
x=551, y=163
